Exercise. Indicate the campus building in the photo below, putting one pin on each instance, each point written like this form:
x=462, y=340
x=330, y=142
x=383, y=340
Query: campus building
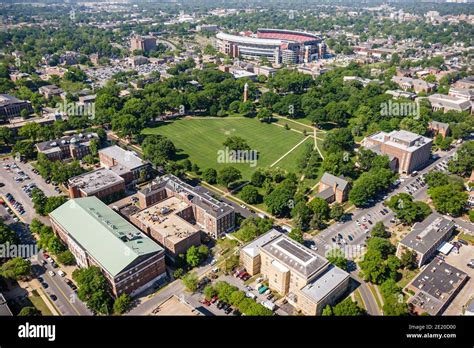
x=209, y=214
x=102, y=183
x=439, y=128
x=425, y=237
x=142, y=43
x=333, y=189
x=276, y=45
x=449, y=103
x=308, y=280
x=11, y=107
x=72, y=146
x=411, y=151
x=50, y=91
x=169, y=222
x=98, y=236
x=418, y=85
x=125, y=163
x=435, y=287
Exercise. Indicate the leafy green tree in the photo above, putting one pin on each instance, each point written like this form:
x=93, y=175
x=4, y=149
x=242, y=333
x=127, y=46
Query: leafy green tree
x=264, y=115
x=327, y=311
x=297, y=235
x=29, y=312
x=178, y=273
x=408, y=259
x=348, y=308
x=209, y=292
x=7, y=235
x=448, y=199
x=379, y=230
x=337, y=258
x=122, y=304
x=258, y=178
x=190, y=281
x=249, y=194
x=228, y=175
x=93, y=289
x=463, y=163
x=66, y=258
x=407, y=210
x=320, y=209
x=158, y=149
x=301, y=215
x=16, y=268
x=210, y=175
x=336, y=212
x=193, y=257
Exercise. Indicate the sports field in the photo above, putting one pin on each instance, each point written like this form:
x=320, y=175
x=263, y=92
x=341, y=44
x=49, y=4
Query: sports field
x=201, y=139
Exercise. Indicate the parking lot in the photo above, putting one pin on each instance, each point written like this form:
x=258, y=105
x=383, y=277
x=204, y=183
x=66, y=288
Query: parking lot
x=460, y=261
x=14, y=175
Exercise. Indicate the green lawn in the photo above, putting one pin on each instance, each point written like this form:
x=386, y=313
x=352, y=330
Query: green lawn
x=38, y=302
x=202, y=138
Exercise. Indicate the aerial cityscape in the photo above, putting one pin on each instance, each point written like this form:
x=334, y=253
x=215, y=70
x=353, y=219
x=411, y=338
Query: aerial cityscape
x=237, y=158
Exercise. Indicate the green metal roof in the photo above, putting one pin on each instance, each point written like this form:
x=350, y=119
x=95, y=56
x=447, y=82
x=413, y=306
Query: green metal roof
x=110, y=239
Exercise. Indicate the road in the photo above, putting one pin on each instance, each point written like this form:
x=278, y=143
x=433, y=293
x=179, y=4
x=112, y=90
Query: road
x=147, y=304
x=67, y=301
x=324, y=240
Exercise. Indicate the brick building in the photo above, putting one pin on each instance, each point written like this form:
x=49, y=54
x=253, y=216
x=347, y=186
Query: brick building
x=439, y=128
x=125, y=163
x=333, y=189
x=411, y=151
x=170, y=223
x=308, y=280
x=72, y=146
x=102, y=183
x=97, y=236
x=211, y=215
x=11, y=107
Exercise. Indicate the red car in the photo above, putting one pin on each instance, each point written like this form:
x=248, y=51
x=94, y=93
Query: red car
x=241, y=276
x=45, y=255
x=214, y=299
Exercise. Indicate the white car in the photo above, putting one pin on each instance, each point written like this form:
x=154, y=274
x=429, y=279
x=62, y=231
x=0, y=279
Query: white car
x=51, y=273
x=61, y=273
x=314, y=247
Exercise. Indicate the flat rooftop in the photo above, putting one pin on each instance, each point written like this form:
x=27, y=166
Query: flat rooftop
x=294, y=255
x=401, y=139
x=95, y=181
x=436, y=285
x=321, y=287
x=162, y=218
x=427, y=233
x=253, y=248
x=110, y=239
x=124, y=158
x=173, y=305
x=54, y=144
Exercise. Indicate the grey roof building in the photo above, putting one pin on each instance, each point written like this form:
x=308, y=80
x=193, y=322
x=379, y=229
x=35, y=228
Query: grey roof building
x=426, y=236
x=295, y=256
x=435, y=287
x=449, y=103
x=11, y=106
x=333, y=188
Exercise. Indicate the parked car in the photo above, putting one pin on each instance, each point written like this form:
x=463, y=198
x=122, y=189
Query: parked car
x=51, y=273
x=53, y=297
x=61, y=273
